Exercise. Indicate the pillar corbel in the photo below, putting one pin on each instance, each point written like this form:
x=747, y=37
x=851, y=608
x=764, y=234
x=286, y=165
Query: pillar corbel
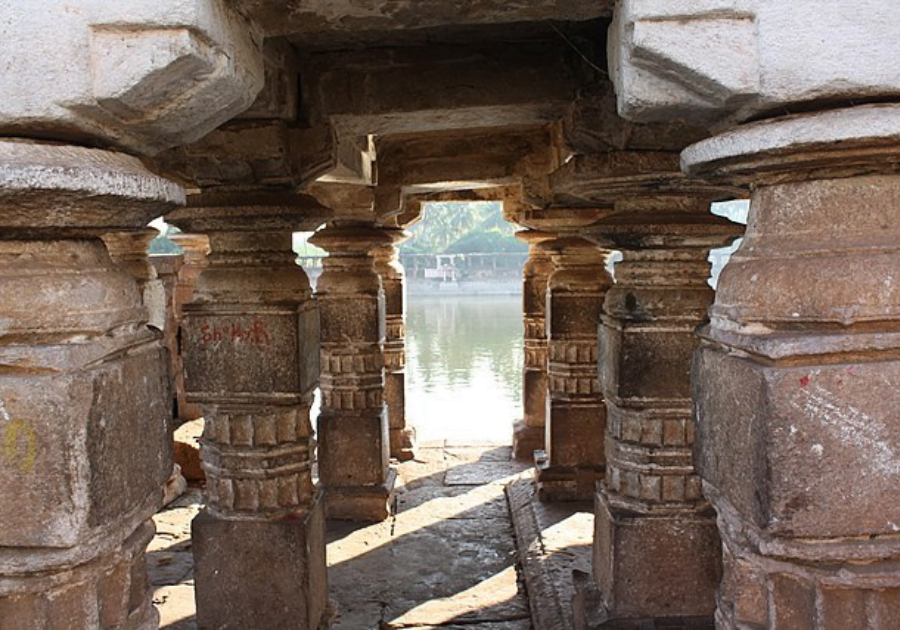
x=354, y=441
x=387, y=265
x=250, y=352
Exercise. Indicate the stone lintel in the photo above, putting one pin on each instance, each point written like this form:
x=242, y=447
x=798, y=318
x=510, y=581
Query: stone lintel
x=312, y=24
x=367, y=92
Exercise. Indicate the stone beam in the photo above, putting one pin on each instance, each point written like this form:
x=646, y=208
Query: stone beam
x=465, y=162
x=434, y=88
x=319, y=23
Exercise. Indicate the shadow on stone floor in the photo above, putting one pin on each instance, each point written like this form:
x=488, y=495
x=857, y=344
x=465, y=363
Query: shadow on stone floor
x=446, y=559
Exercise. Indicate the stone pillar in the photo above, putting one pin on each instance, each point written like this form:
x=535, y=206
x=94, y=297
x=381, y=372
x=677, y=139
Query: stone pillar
x=796, y=382
x=84, y=388
x=528, y=434
x=196, y=253
x=250, y=350
x=387, y=265
x=576, y=416
x=129, y=251
x=656, y=547
x=353, y=427
x=167, y=267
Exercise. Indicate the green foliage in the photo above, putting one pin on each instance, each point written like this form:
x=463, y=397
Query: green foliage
x=453, y=227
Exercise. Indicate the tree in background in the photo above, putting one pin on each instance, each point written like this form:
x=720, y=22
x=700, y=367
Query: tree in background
x=463, y=227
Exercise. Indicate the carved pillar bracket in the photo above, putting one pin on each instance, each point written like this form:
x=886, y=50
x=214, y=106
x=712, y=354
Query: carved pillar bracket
x=250, y=352
x=796, y=381
x=84, y=390
x=656, y=547
x=528, y=434
x=353, y=427
x=387, y=265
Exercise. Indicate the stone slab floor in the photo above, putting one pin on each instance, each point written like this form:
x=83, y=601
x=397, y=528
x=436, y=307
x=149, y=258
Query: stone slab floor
x=447, y=559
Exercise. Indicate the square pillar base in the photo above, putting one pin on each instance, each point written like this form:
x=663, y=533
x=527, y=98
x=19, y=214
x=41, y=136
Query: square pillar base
x=656, y=566
x=565, y=483
x=589, y=613
x=403, y=443
x=362, y=503
x=526, y=440
x=260, y=574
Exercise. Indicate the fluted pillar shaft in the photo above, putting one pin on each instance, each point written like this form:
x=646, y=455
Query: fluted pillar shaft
x=354, y=439
x=576, y=416
x=250, y=339
x=528, y=434
x=387, y=265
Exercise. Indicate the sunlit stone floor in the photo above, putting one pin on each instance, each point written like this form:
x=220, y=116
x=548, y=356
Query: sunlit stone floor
x=447, y=559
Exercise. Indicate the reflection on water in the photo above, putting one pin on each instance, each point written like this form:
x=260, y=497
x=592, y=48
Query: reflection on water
x=464, y=367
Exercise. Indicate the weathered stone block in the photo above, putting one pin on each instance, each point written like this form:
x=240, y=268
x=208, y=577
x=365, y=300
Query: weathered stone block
x=645, y=361
x=353, y=448
x=359, y=317
x=83, y=449
x=273, y=352
x=573, y=313
x=780, y=442
x=656, y=566
x=745, y=56
x=575, y=434
x=261, y=573
x=140, y=74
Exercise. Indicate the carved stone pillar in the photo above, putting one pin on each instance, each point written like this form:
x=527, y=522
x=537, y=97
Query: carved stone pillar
x=196, y=259
x=353, y=427
x=796, y=382
x=84, y=414
x=528, y=435
x=250, y=349
x=656, y=547
x=129, y=251
x=387, y=265
x=576, y=416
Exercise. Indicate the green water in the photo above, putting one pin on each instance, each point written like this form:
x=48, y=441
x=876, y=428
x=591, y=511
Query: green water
x=464, y=367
